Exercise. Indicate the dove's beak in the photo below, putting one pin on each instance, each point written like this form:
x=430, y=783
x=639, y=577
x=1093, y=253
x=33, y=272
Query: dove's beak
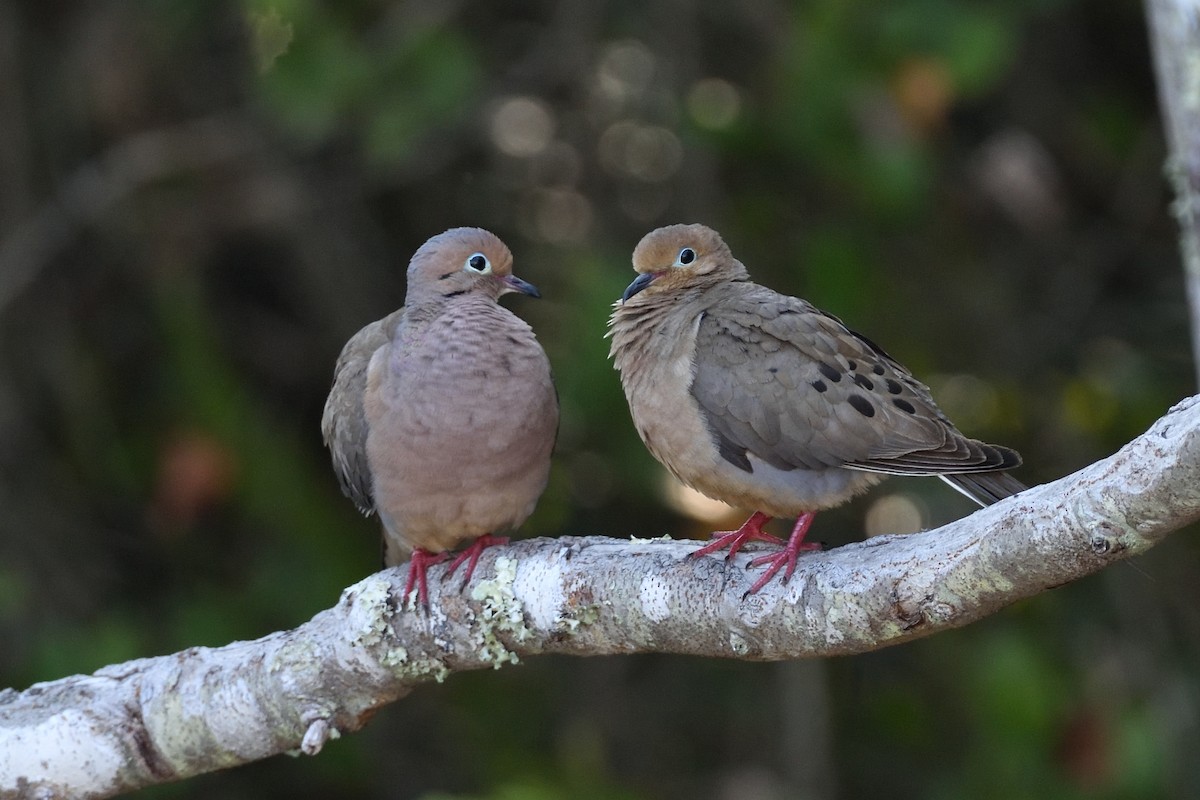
x=515, y=284
x=639, y=283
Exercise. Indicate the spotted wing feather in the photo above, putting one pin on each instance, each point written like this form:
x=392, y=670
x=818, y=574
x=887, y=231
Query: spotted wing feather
x=779, y=379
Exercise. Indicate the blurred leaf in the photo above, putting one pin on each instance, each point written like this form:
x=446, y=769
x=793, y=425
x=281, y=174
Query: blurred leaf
x=836, y=265
x=423, y=84
x=1141, y=755
x=270, y=37
x=317, y=85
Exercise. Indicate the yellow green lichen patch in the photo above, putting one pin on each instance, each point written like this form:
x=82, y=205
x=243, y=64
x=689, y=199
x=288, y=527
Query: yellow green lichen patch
x=576, y=615
x=500, y=613
x=421, y=668
x=371, y=611
x=394, y=657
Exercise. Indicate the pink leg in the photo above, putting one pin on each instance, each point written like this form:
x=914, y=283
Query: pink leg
x=787, y=556
x=751, y=531
x=421, y=561
x=472, y=552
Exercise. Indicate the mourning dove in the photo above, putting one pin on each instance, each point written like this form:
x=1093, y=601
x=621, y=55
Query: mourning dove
x=443, y=414
x=763, y=401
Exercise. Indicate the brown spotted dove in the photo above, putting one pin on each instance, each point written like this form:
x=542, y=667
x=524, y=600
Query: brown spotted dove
x=443, y=414
x=763, y=401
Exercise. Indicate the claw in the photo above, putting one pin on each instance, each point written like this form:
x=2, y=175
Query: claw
x=785, y=557
x=751, y=531
x=421, y=561
x=472, y=553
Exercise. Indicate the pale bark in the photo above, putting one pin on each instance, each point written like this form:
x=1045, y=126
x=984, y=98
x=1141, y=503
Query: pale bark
x=1175, y=40
x=160, y=719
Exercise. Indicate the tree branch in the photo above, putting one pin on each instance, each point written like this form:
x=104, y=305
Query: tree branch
x=160, y=719
x=1175, y=40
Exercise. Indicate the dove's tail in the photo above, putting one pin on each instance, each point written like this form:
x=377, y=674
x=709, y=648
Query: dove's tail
x=985, y=488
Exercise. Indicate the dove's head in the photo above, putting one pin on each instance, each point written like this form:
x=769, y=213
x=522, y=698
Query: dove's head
x=462, y=261
x=680, y=256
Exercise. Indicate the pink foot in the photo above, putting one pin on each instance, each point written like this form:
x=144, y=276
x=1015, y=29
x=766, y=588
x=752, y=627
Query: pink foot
x=472, y=552
x=421, y=561
x=751, y=531
x=787, y=556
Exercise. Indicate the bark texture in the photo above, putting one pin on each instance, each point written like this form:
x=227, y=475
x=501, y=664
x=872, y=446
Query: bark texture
x=1175, y=40
x=161, y=719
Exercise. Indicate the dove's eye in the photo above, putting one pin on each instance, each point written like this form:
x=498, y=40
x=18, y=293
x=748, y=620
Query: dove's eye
x=686, y=256
x=478, y=263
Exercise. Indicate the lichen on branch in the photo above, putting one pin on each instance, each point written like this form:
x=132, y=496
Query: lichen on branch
x=156, y=720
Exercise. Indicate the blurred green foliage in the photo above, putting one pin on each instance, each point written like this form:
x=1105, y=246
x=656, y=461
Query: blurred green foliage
x=977, y=186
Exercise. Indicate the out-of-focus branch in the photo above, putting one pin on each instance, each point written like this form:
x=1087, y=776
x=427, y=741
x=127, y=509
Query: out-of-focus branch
x=1175, y=40
x=100, y=184
x=161, y=719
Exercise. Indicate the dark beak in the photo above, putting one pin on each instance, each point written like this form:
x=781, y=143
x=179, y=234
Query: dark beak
x=517, y=285
x=639, y=283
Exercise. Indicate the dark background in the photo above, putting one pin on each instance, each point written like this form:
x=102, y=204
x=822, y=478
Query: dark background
x=199, y=203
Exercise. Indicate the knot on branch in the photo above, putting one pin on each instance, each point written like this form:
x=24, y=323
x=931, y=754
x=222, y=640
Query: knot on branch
x=319, y=732
x=1106, y=540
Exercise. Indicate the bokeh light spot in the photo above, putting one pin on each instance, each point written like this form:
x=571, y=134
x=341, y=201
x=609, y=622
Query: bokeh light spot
x=895, y=513
x=647, y=152
x=625, y=69
x=714, y=103
x=690, y=503
x=522, y=127
x=558, y=216
x=971, y=402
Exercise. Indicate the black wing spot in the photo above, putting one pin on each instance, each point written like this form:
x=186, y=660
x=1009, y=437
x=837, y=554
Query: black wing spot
x=733, y=453
x=878, y=369
x=864, y=382
x=819, y=385
x=772, y=370
x=829, y=372
x=894, y=386
x=852, y=364
x=904, y=405
x=861, y=404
